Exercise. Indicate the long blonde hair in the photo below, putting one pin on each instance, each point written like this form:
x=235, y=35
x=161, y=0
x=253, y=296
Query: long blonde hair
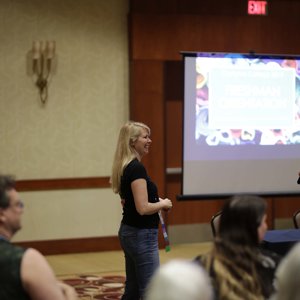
x=125, y=152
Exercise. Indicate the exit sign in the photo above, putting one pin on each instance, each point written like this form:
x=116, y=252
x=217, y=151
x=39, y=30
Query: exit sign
x=257, y=8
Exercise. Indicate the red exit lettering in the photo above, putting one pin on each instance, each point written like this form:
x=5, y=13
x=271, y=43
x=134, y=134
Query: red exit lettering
x=257, y=7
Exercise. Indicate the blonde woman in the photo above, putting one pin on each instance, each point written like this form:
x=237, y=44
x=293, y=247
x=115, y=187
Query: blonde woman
x=138, y=231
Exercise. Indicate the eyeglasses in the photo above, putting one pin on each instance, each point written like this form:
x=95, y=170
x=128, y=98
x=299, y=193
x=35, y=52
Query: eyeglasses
x=19, y=204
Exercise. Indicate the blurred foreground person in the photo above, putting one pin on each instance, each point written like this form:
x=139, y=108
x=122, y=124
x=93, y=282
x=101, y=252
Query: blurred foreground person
x=179, y=280
x=288, y=276
x=24, y=273
x=237, y=266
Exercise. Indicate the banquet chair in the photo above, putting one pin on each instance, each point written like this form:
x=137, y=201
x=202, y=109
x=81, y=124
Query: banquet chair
x=296, y=219
x=214, y=223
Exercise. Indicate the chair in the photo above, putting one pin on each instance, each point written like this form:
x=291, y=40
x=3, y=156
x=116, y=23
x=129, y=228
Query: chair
x=296, y=219
x=214, y=223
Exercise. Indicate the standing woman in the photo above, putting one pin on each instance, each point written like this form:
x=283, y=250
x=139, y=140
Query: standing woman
x=138, y=232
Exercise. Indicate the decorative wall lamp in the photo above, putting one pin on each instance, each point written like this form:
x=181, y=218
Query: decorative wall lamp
x=43, y=54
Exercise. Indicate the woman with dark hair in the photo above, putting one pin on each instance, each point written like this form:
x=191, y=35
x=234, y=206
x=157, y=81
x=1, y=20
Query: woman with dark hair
x=236, y=265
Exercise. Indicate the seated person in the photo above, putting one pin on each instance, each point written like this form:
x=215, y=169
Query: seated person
x=236, y=265
x=24, y=273
x=288, y=276
x=179, y=280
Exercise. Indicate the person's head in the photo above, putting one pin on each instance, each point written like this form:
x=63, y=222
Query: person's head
x=177, y=280
x=133, y=142
x=134, y=138
x=243, y=220
x=288, y=276
x=11, y=207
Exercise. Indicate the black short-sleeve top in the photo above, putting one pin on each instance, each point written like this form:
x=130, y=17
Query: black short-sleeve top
x=11, y=287
x=133, y=171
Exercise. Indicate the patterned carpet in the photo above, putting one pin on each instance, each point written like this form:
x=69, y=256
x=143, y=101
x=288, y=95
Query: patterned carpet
x=97, y=287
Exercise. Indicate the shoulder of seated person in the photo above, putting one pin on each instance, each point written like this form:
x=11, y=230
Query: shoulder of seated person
x=32, y=252
x=201, y=259
x=269, y=258
x=33, y=255
x=198, y=259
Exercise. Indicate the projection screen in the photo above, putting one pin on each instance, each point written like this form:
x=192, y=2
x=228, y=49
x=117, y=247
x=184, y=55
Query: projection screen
x=241, y=124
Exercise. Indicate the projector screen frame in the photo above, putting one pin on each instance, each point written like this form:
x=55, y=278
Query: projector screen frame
x=208, y=196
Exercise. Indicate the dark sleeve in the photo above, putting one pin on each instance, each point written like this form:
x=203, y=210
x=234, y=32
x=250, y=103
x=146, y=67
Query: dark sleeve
x=136, y=170
x=266, y=271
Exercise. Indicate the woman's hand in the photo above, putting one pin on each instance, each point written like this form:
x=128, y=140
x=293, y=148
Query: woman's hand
x=140, y=196
x=167, y=203
x=68, y=291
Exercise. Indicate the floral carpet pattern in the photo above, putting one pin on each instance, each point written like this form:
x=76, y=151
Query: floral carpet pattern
x=97, y=287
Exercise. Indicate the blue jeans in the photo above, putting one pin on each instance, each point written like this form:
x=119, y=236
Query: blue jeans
x=140, y=246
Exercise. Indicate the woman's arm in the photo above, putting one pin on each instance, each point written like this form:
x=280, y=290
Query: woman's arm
x=140, y=195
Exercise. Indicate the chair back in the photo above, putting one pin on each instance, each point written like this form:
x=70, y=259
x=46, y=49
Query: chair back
x=296, y=219
x=214, y=223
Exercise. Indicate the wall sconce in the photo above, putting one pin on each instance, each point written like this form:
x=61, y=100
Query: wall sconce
x=43, y=54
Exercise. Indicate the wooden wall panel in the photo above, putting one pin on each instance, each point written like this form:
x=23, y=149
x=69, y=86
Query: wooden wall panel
x=80, y=245
x=173, y=97
x=212, y=7
x=173, y=80
x=162, y=37
x=201, y=7
x=147, y=106
x=62, y=184
x=284, y=207
x=174, y=134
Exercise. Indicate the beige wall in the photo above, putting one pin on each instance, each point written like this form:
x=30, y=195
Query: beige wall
x=69, y=214
x=74, y=134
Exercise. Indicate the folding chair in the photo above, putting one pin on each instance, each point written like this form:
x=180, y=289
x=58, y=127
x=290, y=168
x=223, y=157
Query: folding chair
x=296, y=219
x=214, y=223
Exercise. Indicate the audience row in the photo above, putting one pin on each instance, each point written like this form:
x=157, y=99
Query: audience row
x=235, y=268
